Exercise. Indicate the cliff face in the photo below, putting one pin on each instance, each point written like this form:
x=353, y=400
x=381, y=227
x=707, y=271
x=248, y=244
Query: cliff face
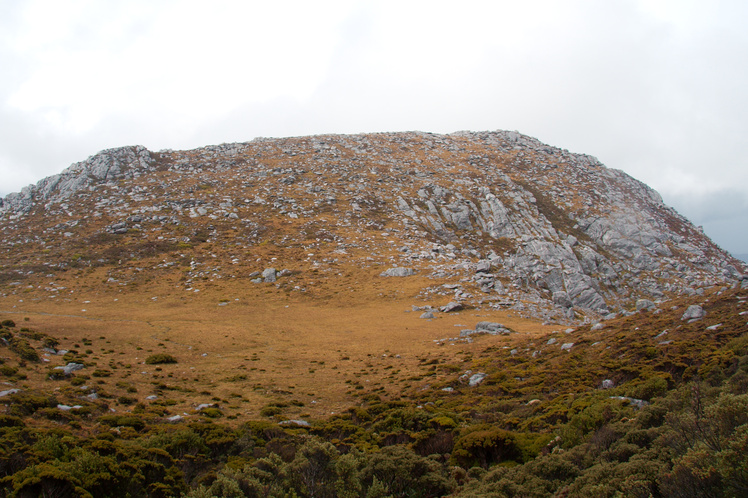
x=494, y=219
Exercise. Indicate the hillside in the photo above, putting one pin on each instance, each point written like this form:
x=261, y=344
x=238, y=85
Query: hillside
x=555, y=233
x=453, y=301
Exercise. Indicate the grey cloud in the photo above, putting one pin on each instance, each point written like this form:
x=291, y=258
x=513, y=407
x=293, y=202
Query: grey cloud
x=723, y=215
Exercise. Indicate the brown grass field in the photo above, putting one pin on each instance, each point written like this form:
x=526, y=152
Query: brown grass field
x=244, y=346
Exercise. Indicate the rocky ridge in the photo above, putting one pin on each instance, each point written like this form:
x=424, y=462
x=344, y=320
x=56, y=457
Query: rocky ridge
x=494, y=219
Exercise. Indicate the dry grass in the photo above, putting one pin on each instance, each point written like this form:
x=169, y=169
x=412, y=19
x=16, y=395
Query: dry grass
x=317, y=352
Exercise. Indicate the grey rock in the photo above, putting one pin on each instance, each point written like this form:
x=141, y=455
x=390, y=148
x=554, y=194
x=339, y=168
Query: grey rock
x=174, y=418
x=608, y=384
x=693, y=312
x=450, y=307
x=427, y=315
x=203, y=406
x=483, y=266
x=567, y=346
x=70, y=368
x=581, y=291
x=9, y=392
x=66, y=408
x=296, y=422
x=269, y=275
x=477, y=378
x=107, y=166
x=644, y=304
x=561, y=298
x=398, y=272
x=489, y=326
x=639, y=403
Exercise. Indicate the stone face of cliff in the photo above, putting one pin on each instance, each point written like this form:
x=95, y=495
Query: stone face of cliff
x=493, y=219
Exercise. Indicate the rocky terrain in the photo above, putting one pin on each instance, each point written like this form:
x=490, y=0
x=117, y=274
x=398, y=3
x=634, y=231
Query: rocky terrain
x=403, y=314
x=493, y=219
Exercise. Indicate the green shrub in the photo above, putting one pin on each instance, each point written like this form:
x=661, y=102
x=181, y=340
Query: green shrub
x=123, y=421
x=484, y=445
x=211, y=412
x=8, y=323
x=651, y=388
x=7, y=370
x=179, y=443
x=270, y=410
x=77, y=381
x=23, y=349
x=404, y=473
x=32, y=334
x=27, y=403
x=11, y=421
x=54, y=374
x=160, y=359
x=50, y=342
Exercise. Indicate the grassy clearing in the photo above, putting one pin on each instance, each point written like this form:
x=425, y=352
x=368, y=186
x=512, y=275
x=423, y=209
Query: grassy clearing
x=326, y=347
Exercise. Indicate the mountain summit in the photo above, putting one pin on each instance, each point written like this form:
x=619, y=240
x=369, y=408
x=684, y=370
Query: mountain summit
x=487, y=220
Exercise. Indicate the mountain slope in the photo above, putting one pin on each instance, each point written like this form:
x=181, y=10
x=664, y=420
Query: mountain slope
x=365, y=315
x=519, y=224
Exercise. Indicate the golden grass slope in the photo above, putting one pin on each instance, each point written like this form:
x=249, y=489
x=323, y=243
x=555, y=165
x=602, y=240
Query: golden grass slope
x=245, y=345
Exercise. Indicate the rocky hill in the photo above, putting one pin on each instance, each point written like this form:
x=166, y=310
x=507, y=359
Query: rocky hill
x=371, y=315
x=492, y=219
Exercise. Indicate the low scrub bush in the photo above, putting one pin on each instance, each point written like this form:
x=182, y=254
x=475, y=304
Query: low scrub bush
x=22, y=347
x=160, y=359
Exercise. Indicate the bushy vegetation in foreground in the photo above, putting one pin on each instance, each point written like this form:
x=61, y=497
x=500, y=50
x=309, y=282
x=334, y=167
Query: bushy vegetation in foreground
x=539, y=426
x=691, y=442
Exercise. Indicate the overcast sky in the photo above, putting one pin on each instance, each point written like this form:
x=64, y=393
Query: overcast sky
x=655, y=88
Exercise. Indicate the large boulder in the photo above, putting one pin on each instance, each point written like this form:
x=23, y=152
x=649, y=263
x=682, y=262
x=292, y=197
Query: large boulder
x=269, y=275
x=452, y=306
x=644, y=304
x=70, y=368
x=398, y=272
x=693, y=312
x=477, y=378
x=561, y=298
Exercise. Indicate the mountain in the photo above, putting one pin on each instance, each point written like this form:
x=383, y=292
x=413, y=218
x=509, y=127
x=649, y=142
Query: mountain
x=396, y=314
x=493, y=219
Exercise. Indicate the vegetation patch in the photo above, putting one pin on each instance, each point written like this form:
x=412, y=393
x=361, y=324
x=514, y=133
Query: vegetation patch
x=160, y=359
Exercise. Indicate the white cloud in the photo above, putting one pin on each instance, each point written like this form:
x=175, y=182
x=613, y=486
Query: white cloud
x=656, y=88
